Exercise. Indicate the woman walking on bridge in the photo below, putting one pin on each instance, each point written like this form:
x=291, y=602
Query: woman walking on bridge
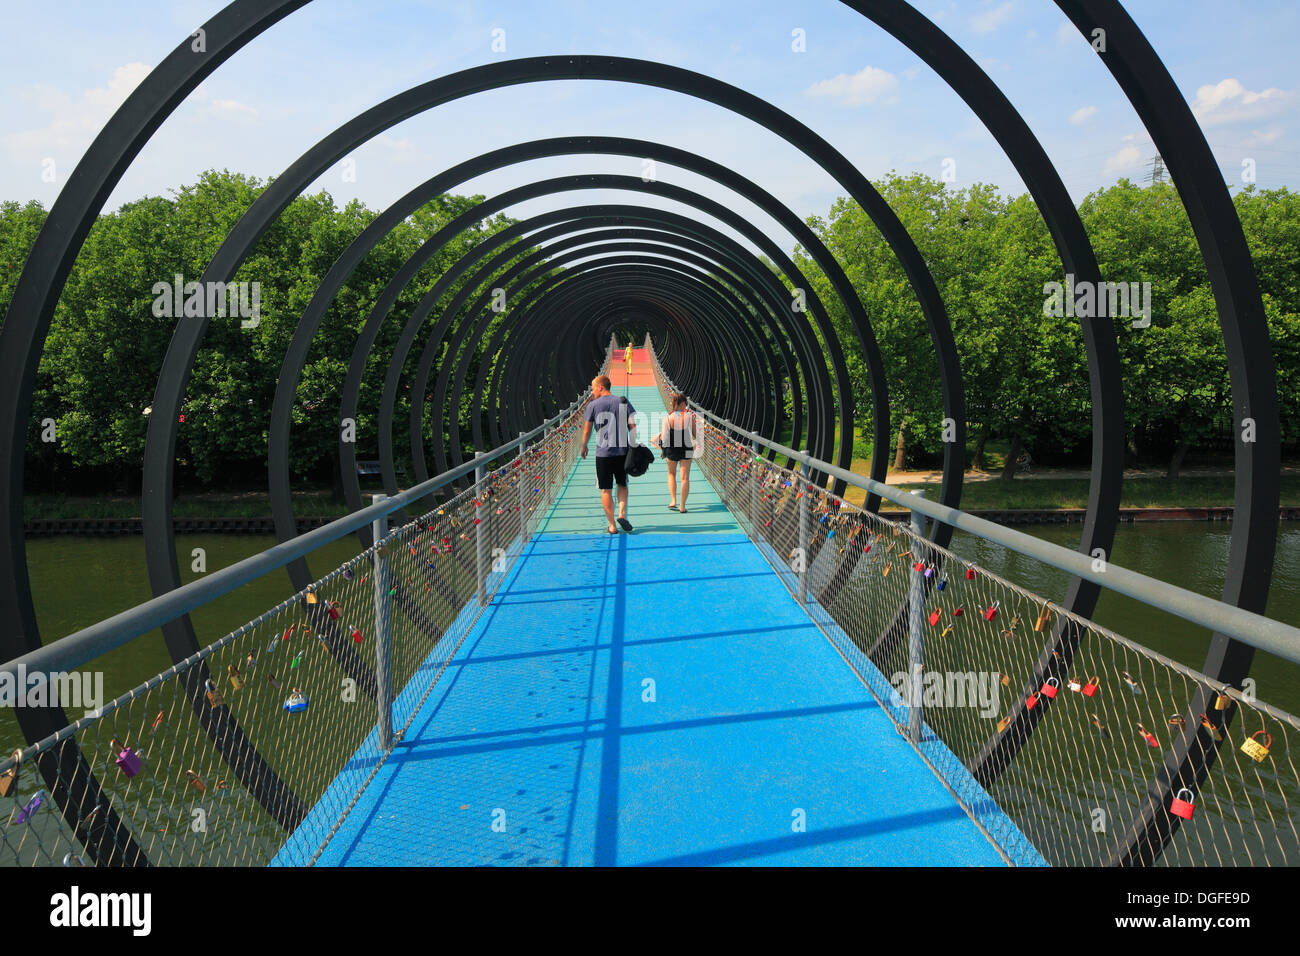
x=677, y=440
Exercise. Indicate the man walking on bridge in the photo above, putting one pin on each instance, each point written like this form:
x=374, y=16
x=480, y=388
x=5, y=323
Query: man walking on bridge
x=613, y=417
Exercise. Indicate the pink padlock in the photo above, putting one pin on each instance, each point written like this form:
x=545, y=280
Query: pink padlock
x=128, y=761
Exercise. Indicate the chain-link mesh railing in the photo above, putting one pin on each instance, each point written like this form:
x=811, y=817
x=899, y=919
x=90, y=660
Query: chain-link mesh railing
x=1068, y=785
x=254, y=750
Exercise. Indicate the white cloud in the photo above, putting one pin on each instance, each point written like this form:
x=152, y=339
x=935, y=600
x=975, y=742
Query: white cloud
x=125, y=79
x=73, y=121
x=989, y=20
x=233, y=108
x=1081, y=116
x=1228, y=101
x=1126, y=158
x=866, y=86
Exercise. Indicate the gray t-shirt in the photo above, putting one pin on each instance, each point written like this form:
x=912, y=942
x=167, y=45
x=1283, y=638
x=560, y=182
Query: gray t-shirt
x=610, y=415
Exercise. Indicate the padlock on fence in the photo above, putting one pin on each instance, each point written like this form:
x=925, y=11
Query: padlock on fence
x=991, y=611
x=214, y=695
x=1032, y=701
x=1214, y=731
x=1222, y=702
x=970, y=574
x=236, y=679
x=1090, y=688
x=934, y=617
x=1050, y=687
x=128, y=761
x=335, y=613
x=1255, y=750
x=1075, y=684
x=196, y=781
x=1004, y=723
x=10, y=776
x=1183, y=808
x=356, y=635
x=1148, y=736
x=1043, y=619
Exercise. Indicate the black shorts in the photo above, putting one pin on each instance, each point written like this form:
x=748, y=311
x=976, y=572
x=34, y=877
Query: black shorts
x=609, y=470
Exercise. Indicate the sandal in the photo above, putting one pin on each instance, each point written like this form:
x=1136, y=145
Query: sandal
x=672, y=507
x=625, y=524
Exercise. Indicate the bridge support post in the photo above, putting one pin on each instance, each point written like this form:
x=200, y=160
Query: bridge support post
x=916, y=629
x=753, y=491
x=519, y=490
x=803, y=536
x=480, y=547
x=383, y=638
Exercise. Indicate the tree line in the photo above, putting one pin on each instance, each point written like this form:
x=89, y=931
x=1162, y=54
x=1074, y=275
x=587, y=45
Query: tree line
x=113, y=324
x=1023, y=364
x=1022, y=356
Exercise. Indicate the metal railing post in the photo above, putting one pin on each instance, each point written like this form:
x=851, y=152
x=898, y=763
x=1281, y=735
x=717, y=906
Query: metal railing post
x=480, y=545
x=383, y=636
x=753, y=490
x=519, y=491
x=802, y=499
x=916, y=628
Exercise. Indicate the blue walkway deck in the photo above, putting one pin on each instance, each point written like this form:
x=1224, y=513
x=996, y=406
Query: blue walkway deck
x=651, y=698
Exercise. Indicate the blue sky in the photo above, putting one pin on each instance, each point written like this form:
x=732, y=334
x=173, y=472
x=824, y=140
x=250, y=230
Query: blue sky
x=70, y=63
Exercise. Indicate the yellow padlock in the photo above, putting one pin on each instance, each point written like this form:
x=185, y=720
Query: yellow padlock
x=1004, y=723
x=1255, y=750
x=1043, y=619
x=1222, y=702
x=236, y=679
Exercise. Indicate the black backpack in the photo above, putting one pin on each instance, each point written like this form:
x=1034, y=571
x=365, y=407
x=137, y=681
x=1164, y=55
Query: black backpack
x=639, y=458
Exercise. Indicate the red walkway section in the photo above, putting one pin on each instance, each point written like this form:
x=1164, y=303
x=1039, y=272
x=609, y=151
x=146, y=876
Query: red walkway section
x=641, y=374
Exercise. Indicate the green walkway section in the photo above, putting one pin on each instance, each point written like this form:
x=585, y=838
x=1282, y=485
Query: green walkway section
x=577, y=510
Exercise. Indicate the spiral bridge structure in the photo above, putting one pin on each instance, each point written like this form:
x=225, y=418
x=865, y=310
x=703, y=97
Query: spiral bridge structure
x=538, y=302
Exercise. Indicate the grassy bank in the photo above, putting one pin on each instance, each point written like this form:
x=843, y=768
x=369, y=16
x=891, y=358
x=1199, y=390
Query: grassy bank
x=995, y=494
x=309, y=504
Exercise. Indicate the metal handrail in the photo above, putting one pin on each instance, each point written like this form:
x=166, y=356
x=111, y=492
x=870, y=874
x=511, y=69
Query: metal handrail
x=111, y=633
x=1260, y=632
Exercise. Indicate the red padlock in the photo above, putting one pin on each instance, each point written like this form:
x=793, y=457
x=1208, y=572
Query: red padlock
x=918, y=566
x=1032, y=702
x=1090, y=688
x=970, y=574
x=1050, y=688
x=356, y=635
x=1148, y=736
x=1183, y=808
x=991, y=612
x=957, y=611
x=934, y=617
x=334, y=611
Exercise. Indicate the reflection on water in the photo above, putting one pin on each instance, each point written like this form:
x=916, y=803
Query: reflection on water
x=1191, y=554
x=77, y=581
